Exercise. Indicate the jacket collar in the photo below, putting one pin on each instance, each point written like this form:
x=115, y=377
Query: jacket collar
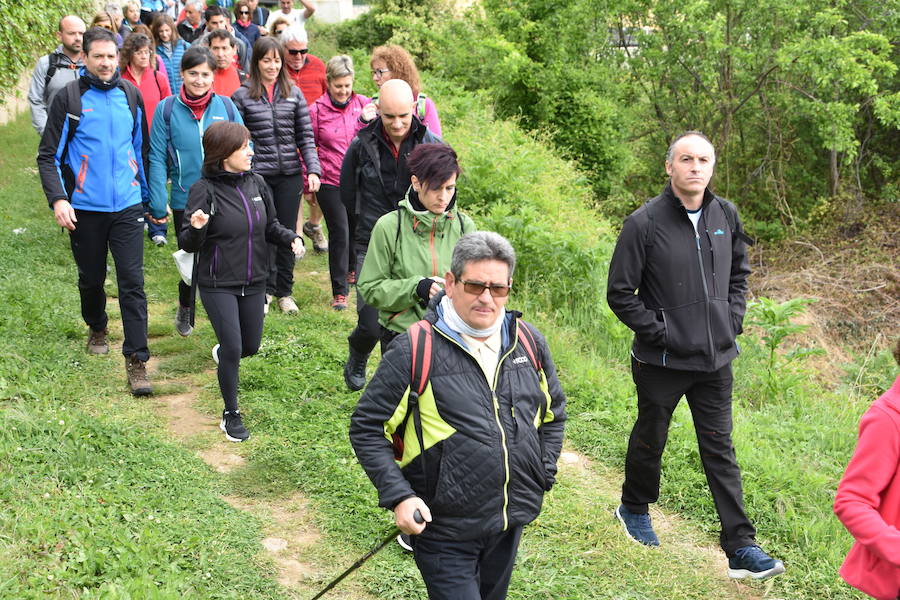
x=669, y=194
x=434, y=314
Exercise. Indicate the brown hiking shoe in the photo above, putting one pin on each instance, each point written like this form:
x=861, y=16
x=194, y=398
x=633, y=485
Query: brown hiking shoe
x=136, y=370
x=96, y=343
x=315, y=235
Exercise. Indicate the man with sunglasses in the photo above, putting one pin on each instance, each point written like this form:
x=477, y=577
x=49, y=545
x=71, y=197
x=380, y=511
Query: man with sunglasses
x=490, y=418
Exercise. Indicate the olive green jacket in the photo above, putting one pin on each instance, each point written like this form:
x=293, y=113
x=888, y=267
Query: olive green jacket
x=407, y=246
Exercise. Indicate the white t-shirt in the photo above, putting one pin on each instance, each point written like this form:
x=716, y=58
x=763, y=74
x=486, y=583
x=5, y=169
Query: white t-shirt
x=296, y=16
x=694, y=216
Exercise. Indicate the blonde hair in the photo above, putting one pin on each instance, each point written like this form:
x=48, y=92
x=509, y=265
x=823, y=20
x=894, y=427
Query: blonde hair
x=339, y=66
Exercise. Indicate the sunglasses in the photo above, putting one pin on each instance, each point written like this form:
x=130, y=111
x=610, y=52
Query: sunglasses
x=243, y=12
x=293, y=52
x=476, y=288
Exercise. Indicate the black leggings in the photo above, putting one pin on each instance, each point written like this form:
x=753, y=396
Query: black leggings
x=184, y=290
x=329, y=199
x=286, y=194
x=367, y=333
x=238, y=323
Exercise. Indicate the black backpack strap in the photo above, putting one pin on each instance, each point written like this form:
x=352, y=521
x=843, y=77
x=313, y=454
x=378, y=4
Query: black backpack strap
x=53, y=63
x=732, y=224
x=650, y=233
x=168, y=106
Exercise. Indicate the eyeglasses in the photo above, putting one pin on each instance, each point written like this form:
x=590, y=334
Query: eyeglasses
x=243, y=12
x=379, y=73
x=476, y=288
x=293, y=52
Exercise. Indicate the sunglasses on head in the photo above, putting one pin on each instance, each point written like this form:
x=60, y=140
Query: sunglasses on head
x=476, y=288
x=293, y=52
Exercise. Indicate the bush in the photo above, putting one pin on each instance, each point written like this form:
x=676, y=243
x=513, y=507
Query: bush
x=27, y=31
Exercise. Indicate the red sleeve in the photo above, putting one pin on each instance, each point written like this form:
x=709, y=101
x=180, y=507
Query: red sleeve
x=873, y=466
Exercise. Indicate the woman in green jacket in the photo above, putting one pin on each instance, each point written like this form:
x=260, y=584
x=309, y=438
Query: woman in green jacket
x=411, y=247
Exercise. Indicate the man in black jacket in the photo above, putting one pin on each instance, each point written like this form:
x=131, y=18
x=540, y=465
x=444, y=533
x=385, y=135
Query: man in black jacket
x=684, y=253
x=374, y=179
x=489, y=414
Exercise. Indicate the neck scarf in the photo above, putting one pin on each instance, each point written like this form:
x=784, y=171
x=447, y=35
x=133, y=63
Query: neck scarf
x=197, y=105
x=455, y=322
x=102, y=85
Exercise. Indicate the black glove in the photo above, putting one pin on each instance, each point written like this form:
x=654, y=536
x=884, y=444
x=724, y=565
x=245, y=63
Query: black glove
x=423, y=291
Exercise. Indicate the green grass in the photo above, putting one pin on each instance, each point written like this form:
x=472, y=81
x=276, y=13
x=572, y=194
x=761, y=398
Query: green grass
x=76, y=522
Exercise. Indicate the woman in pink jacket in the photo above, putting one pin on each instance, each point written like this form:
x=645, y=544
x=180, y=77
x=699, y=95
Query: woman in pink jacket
x=868, y=499
x=336, y=118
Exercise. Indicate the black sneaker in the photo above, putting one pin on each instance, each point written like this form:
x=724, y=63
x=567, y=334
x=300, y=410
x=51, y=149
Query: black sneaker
x=183, y=321
x=637, y=526
x=355, y=370
x=233, y=426
x=751, y=561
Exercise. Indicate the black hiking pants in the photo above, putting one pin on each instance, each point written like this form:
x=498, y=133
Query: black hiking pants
x=467, y=570
x=709, y=396
x=121, y=234
x=329, y=200
x=286, y=191
x=367, y=333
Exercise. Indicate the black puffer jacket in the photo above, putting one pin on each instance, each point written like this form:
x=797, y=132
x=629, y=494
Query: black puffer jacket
x=373, y=182
x=278, y=129
x=690, y=300
x=494, y=453
x=233, y=245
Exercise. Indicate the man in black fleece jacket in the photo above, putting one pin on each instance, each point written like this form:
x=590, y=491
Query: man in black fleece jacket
x=677, y=278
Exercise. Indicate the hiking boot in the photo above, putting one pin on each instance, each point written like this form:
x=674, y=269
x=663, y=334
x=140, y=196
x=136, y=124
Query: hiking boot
x=183, y=321
x=315, y=235
x=351, y=277
x=287, y=305
x=233, y=427
x=268, y=302
x=159, y=240
x=215, y=353
x=637, y=526
x=751, y=561
x=355, y=370
x=339, y=302
x=97, y=343
x=136, y=370
x=404, y=542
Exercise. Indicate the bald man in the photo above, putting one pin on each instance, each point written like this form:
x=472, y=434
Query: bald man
x=53, y=71
x=374, y=178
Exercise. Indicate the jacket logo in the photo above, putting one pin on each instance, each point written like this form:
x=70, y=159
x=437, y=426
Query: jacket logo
x=520, y=359
x=718, y=232
x=256, y=199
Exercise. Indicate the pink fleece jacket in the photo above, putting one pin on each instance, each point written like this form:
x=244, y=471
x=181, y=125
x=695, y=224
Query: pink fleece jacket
x=333, y=129
x=868, y=501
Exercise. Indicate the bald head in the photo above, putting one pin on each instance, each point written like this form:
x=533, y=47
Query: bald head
x=396, y=103
x=71, y=31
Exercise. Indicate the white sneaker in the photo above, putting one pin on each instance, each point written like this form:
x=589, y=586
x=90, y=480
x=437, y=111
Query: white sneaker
x=288, y=306
x=268, y=302
x=159, y=240
x=215, y=353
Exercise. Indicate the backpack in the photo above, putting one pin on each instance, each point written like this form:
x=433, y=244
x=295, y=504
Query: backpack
x=168, y=106
x=650, y=233
x=56, y=62
x=73, y=109
x=421, y=337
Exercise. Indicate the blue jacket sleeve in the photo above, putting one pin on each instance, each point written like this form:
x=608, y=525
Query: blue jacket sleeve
x=159, y=138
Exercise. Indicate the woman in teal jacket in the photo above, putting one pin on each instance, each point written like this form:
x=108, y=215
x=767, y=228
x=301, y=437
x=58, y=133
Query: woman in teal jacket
x=176, y=148
x=411, y=247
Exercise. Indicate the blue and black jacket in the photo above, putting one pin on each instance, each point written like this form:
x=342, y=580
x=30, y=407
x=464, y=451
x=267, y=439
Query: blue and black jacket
x=103, y=168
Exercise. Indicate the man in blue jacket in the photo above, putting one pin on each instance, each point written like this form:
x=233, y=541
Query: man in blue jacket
x=91, y=161
x=677, y=278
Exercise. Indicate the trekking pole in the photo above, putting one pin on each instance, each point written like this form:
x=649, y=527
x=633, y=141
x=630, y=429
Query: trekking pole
x=417, y=517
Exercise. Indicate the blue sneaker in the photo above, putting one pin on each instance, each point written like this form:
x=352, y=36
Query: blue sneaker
x=751, y=561
x=637, y=526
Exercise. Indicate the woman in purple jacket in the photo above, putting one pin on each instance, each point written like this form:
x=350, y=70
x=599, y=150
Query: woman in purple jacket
x=336, y=118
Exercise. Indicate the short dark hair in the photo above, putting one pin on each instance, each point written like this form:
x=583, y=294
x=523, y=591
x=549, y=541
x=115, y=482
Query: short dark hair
x=221, y=34
x=433, y=164
x=196, y=55
x=97, y=34
x=221, y=140
x=215, y=11
x=670, y=153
